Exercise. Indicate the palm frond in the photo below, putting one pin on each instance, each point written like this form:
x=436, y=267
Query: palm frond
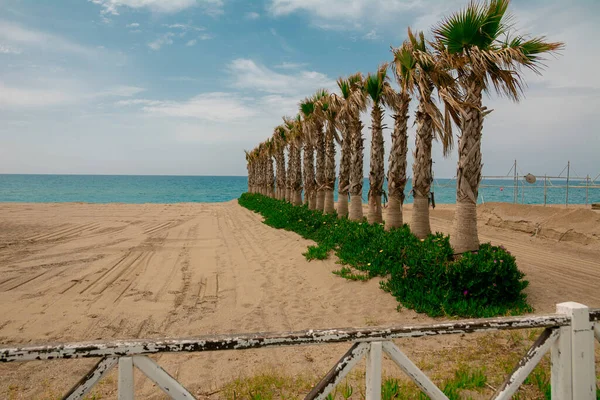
x=374, y=84
x=307, y=107
x=344, y=85
x=495, y=22
x=462, y=30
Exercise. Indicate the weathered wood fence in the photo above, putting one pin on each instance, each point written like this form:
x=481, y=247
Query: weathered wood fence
x=568, y=334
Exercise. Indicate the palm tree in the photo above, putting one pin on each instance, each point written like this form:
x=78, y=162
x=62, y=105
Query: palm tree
x=294, y=135
x=476, y=42
x=341, y=103
x=307, y=108
x=288, y=179
x=269, y=170
x=376, y=87
x=279, y=141
x=319, y=143
x=403, y=68
x=354, y=106
x=251, y=169
x=327, y=111
x=260, y=175
x=429, y=74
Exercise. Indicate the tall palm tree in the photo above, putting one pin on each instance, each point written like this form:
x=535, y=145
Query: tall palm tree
x=294, y=135
x=260, y=174
x=279, y=142
x=403, y=68
x=356, y=104
x=429, y=74
x=341, y=104
x=376, y=87
x=476, y=42
x=307, y=108
x=250, y=167
x=327, y=111
x=318, y=120
x=288, y=160
x=268, y=152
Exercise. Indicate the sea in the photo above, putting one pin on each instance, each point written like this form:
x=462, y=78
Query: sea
x=208, y=189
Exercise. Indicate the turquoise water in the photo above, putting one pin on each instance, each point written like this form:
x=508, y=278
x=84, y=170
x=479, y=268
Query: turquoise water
x=176, y=189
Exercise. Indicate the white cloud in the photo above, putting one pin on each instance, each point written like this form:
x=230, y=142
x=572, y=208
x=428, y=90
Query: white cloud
x=205, y=36
x=290, y=65
x=191, y=42
x=50, y=92
x=120, y=91
x=164, y=39
x=111, y=7
x=182, y=79
x=9, y=49
x=252, y=15
x=133, y=25
x=184, y=27
x=280, y=105
x=15, y=97
x=137, y=102
x=344, y=11
x=13, y=34
x=371, y=35
x=249, y=75
x=215, y=106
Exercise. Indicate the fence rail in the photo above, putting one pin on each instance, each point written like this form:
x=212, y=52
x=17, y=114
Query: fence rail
x=569, y=334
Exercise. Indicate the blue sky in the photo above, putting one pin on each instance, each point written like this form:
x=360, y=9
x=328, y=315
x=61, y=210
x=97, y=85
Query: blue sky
x=183, y=86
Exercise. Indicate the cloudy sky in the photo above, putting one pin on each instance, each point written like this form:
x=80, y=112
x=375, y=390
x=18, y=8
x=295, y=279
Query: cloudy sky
x=183, y=86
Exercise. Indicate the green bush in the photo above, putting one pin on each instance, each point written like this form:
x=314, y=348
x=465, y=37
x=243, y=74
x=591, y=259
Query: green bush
x=421, y=274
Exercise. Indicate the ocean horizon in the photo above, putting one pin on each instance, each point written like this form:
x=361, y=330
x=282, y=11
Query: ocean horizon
x=139, y=189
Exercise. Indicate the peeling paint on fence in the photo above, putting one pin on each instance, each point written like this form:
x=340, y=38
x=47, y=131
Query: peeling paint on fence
x=260, y=340
x=86, y=383
x=338, y=372
x=533, y=356
x=573, y=374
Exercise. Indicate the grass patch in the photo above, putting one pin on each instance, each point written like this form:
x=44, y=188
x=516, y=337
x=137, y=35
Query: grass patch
x=346, y=272
x=422, y=274
x=316, y=253
x=269, y=385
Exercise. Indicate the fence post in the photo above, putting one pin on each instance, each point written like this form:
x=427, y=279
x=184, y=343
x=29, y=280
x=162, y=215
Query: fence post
x=126, y=378
x=573, y=370
x=374, y=360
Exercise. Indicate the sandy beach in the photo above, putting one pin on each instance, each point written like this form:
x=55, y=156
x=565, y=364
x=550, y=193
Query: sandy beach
x=76, y=272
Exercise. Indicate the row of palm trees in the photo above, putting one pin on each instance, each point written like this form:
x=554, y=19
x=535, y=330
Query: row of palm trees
x=472, y=51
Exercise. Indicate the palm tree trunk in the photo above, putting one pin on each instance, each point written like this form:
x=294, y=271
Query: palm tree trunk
x=397, y=165
x=297, y=174
x=309, y=176
x=468, y=173
x=280, y=177
x=344, y=180
x=376, y=174
x=249, y=168
x=270, y=177
x=328, y=206
x=288, y=176
x=320, y=175
x=356, y=170
x=261, y=177
x=422, y=174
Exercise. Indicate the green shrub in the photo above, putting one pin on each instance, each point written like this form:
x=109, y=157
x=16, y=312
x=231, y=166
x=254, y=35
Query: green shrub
x=421, y=274
x=316, y=253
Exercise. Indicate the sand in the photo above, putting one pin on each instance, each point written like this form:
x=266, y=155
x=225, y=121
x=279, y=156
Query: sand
x=76, y=272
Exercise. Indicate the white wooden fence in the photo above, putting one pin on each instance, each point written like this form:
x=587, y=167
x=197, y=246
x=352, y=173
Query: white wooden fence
x=569, y=335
